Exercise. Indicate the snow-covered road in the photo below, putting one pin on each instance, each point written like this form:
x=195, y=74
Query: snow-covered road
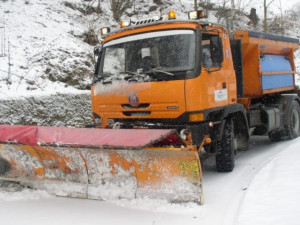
x=229, y=197
x=224, y=193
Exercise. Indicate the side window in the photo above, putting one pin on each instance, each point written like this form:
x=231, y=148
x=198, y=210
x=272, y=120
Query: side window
x=206, y=56
x=212, y=51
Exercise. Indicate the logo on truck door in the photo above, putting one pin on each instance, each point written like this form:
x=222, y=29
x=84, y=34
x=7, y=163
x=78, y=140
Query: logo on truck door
x=221, y=95
x=133, y=100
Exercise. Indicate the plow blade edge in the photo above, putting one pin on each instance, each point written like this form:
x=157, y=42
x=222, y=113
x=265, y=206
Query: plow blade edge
x=103, y=172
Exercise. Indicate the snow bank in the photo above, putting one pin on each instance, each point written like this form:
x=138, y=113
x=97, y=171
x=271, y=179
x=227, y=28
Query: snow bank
x=158, y=205
x=61, y=109
x=274, y=196
x=16, y=192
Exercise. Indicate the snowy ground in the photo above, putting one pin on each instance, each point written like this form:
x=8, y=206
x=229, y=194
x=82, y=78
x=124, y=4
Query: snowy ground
x=263, y=189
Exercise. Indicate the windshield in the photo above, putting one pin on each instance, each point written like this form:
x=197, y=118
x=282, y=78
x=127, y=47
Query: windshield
x=163, y=53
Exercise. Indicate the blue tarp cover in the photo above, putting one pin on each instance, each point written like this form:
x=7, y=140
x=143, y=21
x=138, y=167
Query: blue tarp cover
x=276, y=63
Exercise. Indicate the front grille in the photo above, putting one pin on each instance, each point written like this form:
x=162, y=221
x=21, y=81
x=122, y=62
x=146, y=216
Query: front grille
x=141, y=106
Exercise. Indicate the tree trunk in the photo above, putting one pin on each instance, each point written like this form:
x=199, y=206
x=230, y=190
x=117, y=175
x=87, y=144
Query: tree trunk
x=232, y=4
x=232, y=15
x=265, y=24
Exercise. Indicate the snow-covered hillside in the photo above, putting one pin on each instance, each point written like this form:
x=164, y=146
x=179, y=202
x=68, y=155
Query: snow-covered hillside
x=44, y=41
x=42, y=46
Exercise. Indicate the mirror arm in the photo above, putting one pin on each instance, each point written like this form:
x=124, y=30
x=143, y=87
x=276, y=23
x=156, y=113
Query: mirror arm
x=216, y=70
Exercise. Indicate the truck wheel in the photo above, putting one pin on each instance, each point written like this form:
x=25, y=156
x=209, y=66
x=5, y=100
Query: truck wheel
x=293, y=126
x=226, y=149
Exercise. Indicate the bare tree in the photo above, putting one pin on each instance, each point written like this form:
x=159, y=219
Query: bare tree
x=118, y=7
x=281, y=14
x=266, y=7
x=232, y=14
x=224, y=13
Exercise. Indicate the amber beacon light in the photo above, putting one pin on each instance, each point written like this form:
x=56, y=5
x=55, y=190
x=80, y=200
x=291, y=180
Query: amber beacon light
x=172, y=15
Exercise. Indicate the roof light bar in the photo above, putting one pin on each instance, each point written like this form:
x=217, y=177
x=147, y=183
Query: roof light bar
x=104, y=30
x=194, y=15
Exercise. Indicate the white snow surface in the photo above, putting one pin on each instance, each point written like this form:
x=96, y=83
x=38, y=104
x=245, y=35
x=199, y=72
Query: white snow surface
x=40, y=35
x=263, y=189
x=12, y=194
x=275, y=191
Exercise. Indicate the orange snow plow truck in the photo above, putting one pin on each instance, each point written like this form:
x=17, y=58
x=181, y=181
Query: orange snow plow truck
x=164, y=89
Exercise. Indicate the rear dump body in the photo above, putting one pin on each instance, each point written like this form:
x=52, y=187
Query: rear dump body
x=101, y=164
x=267, y=63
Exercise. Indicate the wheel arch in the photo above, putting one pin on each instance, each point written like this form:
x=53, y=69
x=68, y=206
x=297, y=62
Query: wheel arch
x=238, y=113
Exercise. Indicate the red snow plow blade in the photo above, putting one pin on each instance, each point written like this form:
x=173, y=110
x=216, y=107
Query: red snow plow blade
x=101, y=163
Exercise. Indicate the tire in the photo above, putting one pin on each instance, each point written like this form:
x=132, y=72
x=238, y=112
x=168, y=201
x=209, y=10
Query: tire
x=226, y=149
x=293, y=126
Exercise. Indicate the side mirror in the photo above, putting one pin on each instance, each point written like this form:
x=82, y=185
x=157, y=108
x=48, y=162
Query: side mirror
x=216, y=50
x=97, y=52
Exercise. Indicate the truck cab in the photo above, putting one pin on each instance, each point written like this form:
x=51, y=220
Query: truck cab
x=163, y=73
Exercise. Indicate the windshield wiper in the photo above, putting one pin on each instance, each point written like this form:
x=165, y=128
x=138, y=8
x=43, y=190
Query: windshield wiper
x=126, y=75
x=111, y=78
x=130, y=72
x=157, y=70
x=134, y=76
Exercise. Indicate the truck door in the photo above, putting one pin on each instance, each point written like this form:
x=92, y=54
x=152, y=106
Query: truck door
x=216, y=62
x=216, y=85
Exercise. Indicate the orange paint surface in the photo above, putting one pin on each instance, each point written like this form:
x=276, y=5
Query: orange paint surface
x=251, y=49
